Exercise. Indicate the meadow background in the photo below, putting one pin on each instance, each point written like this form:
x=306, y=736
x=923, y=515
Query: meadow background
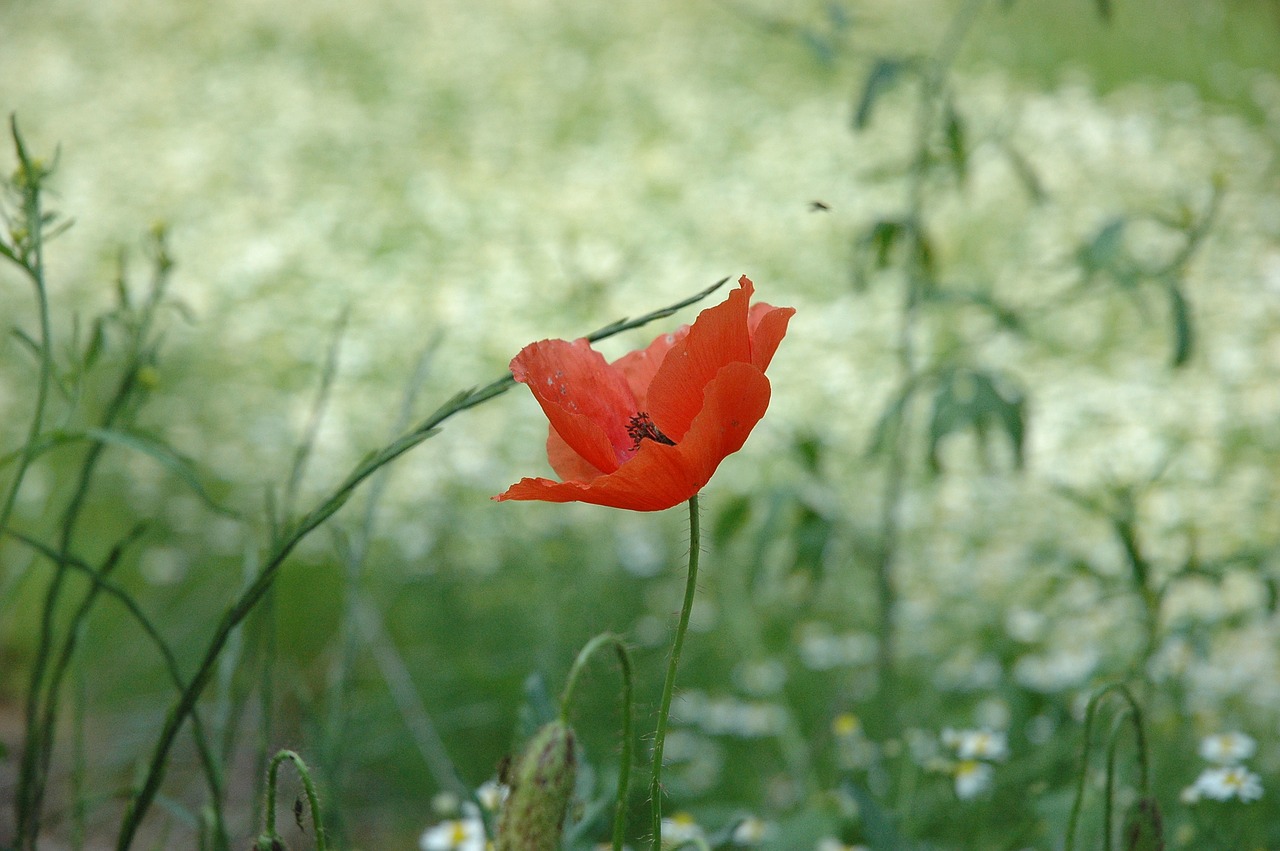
x=448, y=181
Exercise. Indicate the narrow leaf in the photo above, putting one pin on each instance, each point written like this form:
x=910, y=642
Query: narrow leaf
x=1183, y=331
x=884, y=74
x=1026, y=174
x=27, y=341
x=163, y=454
x=957, y=150
x=1104, y=249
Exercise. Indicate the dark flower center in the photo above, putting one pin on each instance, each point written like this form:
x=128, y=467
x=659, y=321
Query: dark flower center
x=641, y=427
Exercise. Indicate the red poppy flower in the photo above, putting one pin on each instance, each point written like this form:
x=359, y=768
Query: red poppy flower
x=647, y=431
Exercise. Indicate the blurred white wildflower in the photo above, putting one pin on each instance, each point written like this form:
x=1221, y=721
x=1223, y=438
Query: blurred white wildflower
x=1056, y=670
x=465, y=834
x=445, y=804
x=680, y=827
x=853, y=749
x=1025, y=624
x=1227, y=748
x=821, y=648
x=491, y=795
x=640, y=552
x=973, y=778
x=977, y=744
x=753, y=830
x=163, y=565
x=728, y=716
x=696, y=761
x=763, y=677
x=992, y=713
x=1224, y=783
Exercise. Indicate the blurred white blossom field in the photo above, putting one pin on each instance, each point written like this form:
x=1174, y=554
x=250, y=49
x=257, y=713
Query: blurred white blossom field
x=998, y=569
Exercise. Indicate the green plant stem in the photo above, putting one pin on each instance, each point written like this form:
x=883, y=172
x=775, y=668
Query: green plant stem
x=929, y=107
x=628, y=703
x=97, y=578
x=32, y=262
x=38, y=746
x=668, y=686
x=284, y=544
x=1131, y=711
x=34, y=267
x=317, y=827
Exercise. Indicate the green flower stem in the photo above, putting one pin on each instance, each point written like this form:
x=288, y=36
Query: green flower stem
x=269, y=836
x=1130, y=711
x=38, y=749
x=668, y=687
x=31, y=259
x=283, y=545
x=628, y=703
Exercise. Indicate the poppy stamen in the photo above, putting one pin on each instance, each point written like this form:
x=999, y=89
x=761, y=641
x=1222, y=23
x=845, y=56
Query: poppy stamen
x=640, y=427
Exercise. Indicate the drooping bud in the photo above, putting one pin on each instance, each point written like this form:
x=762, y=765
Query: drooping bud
x=542, y=782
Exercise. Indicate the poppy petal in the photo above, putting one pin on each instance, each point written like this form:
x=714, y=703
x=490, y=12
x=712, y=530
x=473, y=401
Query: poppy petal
x=767, y=325
x=640, y=366
x=661, y=476
x=586, y=401
x=569, y=465
x=717, y=337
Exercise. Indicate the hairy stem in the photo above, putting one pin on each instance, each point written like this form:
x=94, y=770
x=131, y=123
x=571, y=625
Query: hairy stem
x=668, y=686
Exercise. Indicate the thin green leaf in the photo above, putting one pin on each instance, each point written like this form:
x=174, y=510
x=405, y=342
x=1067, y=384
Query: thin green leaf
x=881, y=238
x=166, y=456
x=1025, y=173
x=97, y=339
x=1183, y=330
x=971, y=400
x=27, y=341
x=957, y=148
x=1104, y=249
x=884, y=74
x=1104, y=10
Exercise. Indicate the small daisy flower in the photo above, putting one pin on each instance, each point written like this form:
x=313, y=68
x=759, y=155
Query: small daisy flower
x=752, y=830
x=1227, y=748
x=973, y=778
x=977, y=744
x=680, y=828
x=465, y=834
x=1226, y=782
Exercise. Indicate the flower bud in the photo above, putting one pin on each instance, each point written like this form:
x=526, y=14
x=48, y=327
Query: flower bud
x=542, y=783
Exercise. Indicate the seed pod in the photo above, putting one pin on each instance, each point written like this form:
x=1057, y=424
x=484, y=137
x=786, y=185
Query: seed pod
x=541, y=785
x=1143, y=827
